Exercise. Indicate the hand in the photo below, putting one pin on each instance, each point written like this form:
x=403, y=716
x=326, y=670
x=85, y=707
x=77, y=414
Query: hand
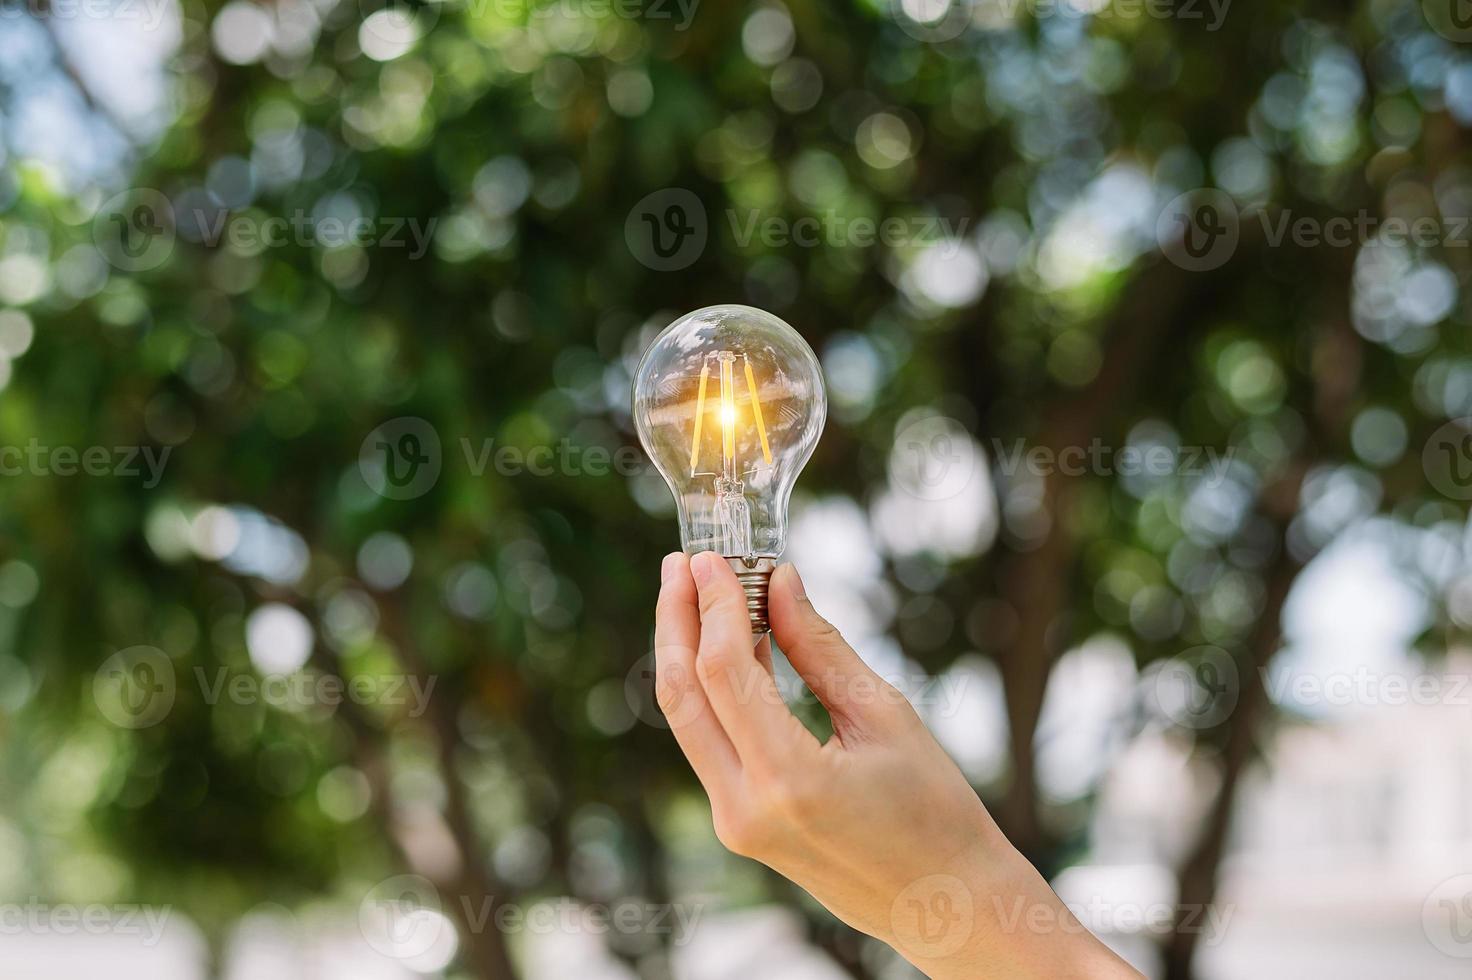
x=877, y=823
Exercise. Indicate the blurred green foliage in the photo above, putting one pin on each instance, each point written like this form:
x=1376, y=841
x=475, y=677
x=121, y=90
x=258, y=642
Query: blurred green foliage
x=526, y=135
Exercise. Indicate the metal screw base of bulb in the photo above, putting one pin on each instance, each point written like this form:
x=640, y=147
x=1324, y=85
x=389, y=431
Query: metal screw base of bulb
x=755, y=579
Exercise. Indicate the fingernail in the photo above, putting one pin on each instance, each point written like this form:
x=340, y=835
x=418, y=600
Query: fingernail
x=667, y=567
x=798, y=590
x=701, y=567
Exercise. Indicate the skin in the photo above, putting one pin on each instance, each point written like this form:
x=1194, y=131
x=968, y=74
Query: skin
x=877, y=823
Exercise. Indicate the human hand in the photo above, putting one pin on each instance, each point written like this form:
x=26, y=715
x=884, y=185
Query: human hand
x=877, y=823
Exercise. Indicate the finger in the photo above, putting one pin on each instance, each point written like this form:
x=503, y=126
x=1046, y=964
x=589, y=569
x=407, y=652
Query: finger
x=677, y=689
x=818, y=652
x=739, y=688
x=763, y=653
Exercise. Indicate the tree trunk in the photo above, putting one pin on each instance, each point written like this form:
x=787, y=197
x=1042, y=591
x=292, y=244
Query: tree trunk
x=1036, y=581
x=1196, y=882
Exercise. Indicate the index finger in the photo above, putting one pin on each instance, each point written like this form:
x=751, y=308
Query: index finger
x=678, y=692
x=742, y=692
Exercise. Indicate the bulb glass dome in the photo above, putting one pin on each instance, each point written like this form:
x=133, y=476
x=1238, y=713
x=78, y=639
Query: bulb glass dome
x=729, y=403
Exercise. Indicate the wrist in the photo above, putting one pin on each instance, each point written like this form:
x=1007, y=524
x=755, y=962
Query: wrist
x=992, y=915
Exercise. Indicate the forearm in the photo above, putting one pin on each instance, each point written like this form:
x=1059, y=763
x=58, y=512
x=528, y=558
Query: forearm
x=877, y=823
x=995, y=917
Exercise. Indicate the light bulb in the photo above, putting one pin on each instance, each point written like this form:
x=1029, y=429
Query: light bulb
x=729, y=403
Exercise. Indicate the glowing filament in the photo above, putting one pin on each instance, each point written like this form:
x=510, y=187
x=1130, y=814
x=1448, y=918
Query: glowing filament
x=699, y=418
x=728, y=410
x=727, y=414
x=756, y=411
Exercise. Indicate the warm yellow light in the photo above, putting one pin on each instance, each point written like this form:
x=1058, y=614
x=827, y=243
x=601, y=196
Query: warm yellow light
x=699, y=418
x=727, y=413
x=756, y=411
x=728, y=407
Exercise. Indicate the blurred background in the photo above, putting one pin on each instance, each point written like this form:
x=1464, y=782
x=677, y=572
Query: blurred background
x=328, y=556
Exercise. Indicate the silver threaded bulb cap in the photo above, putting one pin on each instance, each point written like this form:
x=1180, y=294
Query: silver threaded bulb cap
x=755, y=576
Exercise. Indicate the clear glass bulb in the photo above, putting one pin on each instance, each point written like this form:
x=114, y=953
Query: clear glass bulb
x=729, y=404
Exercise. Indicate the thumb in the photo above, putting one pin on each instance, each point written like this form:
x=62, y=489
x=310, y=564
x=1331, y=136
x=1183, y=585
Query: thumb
x=846, y=685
